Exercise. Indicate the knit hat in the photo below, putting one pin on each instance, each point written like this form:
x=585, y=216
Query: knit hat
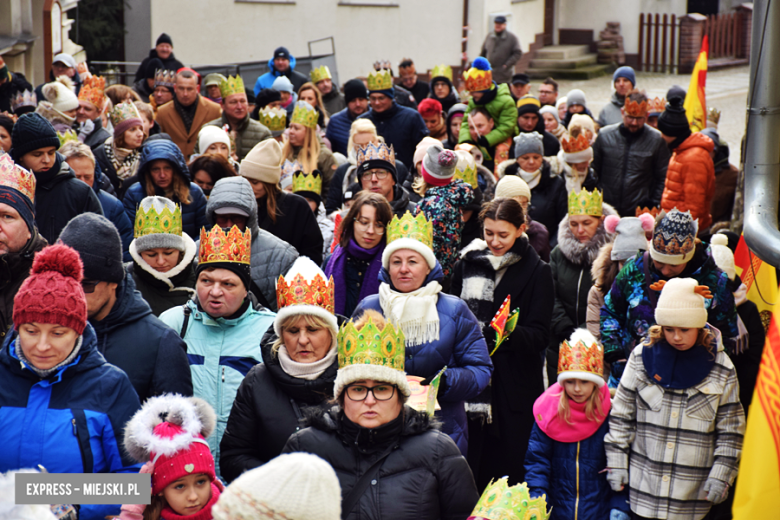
x=548, y=109
x=583, y=121
x=422, y=148
x=293, y=486
x=528, y=142
x=31, y=132
x=170, y=431
x=263, y=162
x=53, y=293
x=282, y=84
x=630, y=234
x=528, y=105
x=266, y=97
x=17, y=189
x=211, y=134
x=625, y=72
x=158, y=223
x=576, y=97
x=681, y=303
x=282, y=52
x=581, y=357
x=512, y=186
x=429, y=107
x=674, y=237
x=124, y=116
x=723, y=256
x=164, y=38
x=97, y=242
x=354, y=89
x=61, y=95
x=673, y=122
x=438, y=165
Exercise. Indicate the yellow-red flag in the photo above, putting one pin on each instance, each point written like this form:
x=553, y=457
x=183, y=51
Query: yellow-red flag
x=760, y=279
x=695, y=103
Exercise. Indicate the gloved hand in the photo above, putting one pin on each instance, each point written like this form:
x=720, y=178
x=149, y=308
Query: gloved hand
x=716, y=490
x=617, y=479
x=617, y=514
x=442, y=381
x=483, y=142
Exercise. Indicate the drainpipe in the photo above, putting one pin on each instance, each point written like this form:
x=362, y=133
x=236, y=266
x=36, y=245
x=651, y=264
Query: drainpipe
x=762, y=152
x=464, y=36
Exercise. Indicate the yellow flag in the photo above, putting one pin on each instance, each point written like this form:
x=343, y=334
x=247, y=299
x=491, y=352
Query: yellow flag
x=760, y=279
x=695, y=103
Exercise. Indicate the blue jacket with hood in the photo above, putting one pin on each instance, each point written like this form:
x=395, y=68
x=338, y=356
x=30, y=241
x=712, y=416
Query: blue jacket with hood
x=267, y=79
x=71, y=422
x=461, y=347
x=114, y=211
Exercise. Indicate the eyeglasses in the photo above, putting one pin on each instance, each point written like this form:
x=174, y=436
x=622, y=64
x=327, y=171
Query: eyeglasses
x=89, y=286
x=380, y=174
x=380, y=392
x=546, y=91
x=365, y=224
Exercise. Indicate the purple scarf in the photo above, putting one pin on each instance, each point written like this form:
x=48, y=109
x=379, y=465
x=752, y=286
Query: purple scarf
x=338, y=263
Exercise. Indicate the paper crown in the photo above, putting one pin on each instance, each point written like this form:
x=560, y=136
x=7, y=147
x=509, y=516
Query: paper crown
x=442, y=71
x=499, y=501
x=299, y=291
x=164, y=78
x=320, y=73
x=218, y=246
x=154, y=222
x=417, y=228
x=466, y=168
x=575, y=145
x=291, y=167
x=275, y=119
x=380, y=80
x=123, y=112
x=231, y=85
x=24, y=99
x=586, y=203
x=67, y=135
x=14, y=176
x=581, y=353
x=656, y=106
x=375, y=152
x=634, y=109
x=305, y=114
x=371, y=346
x=307, y=182
x=383, y=65
x=652, y=211
x=92, y=91
x=479, y=76
x=713, y=115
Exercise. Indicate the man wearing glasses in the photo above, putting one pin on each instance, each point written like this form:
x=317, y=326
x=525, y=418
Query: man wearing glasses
x=548, y=92
x=378, y=175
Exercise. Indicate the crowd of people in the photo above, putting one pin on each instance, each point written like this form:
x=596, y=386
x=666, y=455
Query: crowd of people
x=241, y=292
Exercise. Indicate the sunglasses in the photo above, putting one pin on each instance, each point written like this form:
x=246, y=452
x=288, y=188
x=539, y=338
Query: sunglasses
x=89, y=286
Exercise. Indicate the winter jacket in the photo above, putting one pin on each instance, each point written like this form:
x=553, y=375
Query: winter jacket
x=501, y=107
x=114, y=211
x=627, y=313
x=171, y=123
x=401, y=202
x=295, y=224
x=271, y=257
x=747, y=363
x=269, y=406
x=71, y=422
x=193, y=215
x=630, y=168
x=424, y=477
x=690, y=179
x=165, y=290
x=338, y=130
x=247, y=134
x=267, y=80
x=9, y=89
x=14, y=269
x=220, y=352
x=97, y=136
x=402, y=128
x=169, y=63
x=539, y=238
x=334, y=101
x=60, y=196
x=156, y=365
x=503, y=51
x=611, y=113
x=603, y=273
x=346, y=175
x=460, y=347
x=142, y=89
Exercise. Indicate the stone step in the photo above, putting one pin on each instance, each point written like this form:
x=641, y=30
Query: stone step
x=561, y=52
x=571, y=63
x=581, y=73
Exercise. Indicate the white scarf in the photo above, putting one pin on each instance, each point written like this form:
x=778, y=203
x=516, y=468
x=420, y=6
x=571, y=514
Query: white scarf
x=572, y=177
x=310, y=371
x=531, y=178
x=414, y=312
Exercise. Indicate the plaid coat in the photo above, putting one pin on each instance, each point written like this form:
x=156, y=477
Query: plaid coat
x=673, y=440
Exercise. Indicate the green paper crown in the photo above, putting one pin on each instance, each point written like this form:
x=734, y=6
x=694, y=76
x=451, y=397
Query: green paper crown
x=440, y=71
x=305, y=114
x=501, y=502
x=467, y=173
x=417, y=228
x=152, y=222
x=274, y=118
x=67, y=135
x=379, y=80
x=371, y=346
x=232, y=85
x=586, y=203
x=307, y=182
x=320, y=73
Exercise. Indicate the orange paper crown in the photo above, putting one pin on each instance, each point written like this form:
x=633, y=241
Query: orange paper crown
x=217, y=246
x=579, y=144
x=300, y=292
x=634, y=109
x=477, y=79
x=16, y=177
x=651, y=211
x=657, y=106
x=92, y=91
x=581, y=353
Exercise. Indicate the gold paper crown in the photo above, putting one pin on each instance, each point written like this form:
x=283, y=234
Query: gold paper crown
x=92, y=91
x=581, y=357
x=14, y=176
x=379, y=80
x=24, y=99
x=466, y=168
x=320, y=73
x=274, y=118
x=713, y=115
x=501, y=502
x=152, y=222
x=217, y=246
x=442, y=71
x=231, y=85
x=305, y=114
x=477, y=80
x=417, y=228
x=123, y=112
x=586, y=203
x=371, y=346
x=652, y=211
x=375, y=152
x=579, y=144
x=656, y=106
x=307, y=182
x=67, y=135
x=634, y=109
x=318, y=292
x=164, y=78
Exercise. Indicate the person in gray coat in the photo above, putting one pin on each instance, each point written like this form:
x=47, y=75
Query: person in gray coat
x=232, y=202
x=502, y=50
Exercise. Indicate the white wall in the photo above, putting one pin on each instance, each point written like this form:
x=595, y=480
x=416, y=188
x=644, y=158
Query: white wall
x=525, y=19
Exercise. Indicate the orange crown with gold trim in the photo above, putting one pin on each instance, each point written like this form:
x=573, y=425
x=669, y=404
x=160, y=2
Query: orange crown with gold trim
x=574, y=145
x=479, y=77
x=654, y=211
x=299, y=291
x=92, y=91
x=656, y=107
x=14, y=176
x=218, y=246
x=581, y=354
x=634, y=109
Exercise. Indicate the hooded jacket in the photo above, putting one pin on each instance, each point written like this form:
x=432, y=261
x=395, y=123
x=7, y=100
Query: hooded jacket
x=501, y=108
x=267, y=79
x=690, y=179
x=247, y=135
x=71, y=422
x=14, y=269
x=271, y=256
x=193, y=215
x=169, y=63
x=402, y=127
x=611, y=113
x=448, y=100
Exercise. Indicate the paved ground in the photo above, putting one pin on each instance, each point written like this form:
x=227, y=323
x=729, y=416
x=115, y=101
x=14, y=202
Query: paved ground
x=726, y=89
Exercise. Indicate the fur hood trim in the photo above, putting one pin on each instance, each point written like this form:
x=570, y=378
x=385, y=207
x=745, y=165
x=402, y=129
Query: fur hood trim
x=604, y=270
x=190, y=250
x=578, y=253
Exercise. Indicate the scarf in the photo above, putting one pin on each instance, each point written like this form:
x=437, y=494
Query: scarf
x=309, y=371
x=415, y=312
x=338, y=263
x=531, y=178
x=44, y=373
x=671, y=368
x=204, y=514
x=580, y=427
x=124, y=161
x=187, y=114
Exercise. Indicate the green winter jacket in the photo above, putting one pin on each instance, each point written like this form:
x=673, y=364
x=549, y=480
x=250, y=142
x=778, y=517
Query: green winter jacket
x=504, y=113
x=250, y=132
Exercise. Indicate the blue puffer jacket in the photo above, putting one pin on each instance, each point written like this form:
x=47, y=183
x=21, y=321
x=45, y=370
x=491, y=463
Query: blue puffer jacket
x=193, y=215
x=114, y=211
x=74, y=418
x=267, y=79
x=461, y=347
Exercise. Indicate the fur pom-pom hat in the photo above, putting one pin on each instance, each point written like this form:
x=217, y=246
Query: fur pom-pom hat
x=171, y=431
x=631, y=235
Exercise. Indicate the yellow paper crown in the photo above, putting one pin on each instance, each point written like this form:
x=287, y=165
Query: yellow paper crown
x=371, y=346
x=417, y=228
x=92, y=91
x=713, y=115
x=379, y=80
x=442, y=71
x=67, y=135
x=502, y=502
x=307, y=182
x=231, y=85
x=581, y=353
x=218, y=246
x=274, y=118
x=586, y=203
x=320, y=73
x=466, y=169
x=153, y=222
x=305, y=114
x=14, y=176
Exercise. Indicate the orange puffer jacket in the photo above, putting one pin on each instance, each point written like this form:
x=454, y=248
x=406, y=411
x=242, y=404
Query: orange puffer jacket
x=690, y=179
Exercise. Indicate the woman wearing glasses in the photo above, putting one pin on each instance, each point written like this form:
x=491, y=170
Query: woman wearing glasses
x=391, y=461
x=357, y=260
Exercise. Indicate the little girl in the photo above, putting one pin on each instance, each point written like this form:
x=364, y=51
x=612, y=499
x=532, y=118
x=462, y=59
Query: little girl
x=675, y=432
x=169, y=433
x=565, y=458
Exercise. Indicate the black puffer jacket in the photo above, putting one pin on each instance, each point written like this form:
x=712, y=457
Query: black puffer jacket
x=425, y=477
x=630, y=168
x=14, y=269
x=267, y=410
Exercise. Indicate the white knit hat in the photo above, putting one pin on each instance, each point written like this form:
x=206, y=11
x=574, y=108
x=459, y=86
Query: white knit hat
x=211, y=134
x=680, y=306
x=513, y=186
x=61, y=95
x=293, y=486
x=721, y=253
x=263, y=162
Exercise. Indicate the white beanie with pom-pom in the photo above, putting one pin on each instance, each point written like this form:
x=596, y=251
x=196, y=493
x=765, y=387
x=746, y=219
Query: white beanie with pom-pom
x=61, y=95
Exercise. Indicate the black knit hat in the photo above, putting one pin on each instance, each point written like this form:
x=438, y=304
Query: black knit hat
x=164, y=38
x=354, y=89
x=673, y=121
x=31, y=132
x=266, y=96
x=97, y=242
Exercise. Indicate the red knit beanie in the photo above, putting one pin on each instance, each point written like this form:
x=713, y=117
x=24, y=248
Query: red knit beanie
x=53, y=293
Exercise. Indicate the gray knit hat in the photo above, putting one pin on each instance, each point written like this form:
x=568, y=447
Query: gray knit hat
x=529, y=142
x=97, y=242
x=630, y=237
x=576, y=97
x=152, y=208
x=438, y=165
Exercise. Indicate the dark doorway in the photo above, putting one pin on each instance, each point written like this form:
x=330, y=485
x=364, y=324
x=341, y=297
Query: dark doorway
x=549, y=21
x=703, y=6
